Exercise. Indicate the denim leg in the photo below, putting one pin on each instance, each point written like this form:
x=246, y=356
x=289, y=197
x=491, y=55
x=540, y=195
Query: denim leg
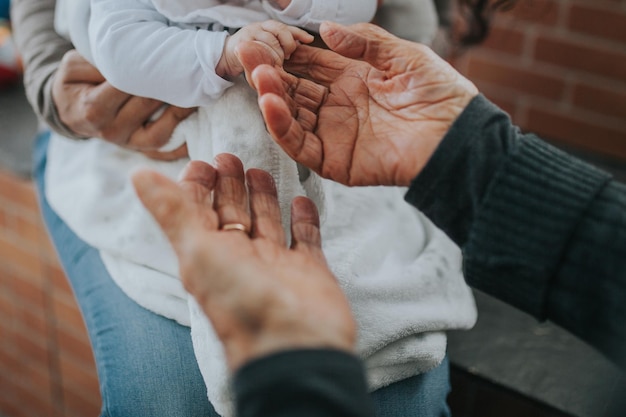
x=146, y=364
x=419, y=396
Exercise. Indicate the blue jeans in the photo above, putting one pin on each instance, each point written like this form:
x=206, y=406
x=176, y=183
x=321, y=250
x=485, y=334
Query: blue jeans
x=145, y=362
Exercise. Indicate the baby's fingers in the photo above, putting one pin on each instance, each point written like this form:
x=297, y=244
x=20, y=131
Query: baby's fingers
x=287, y=36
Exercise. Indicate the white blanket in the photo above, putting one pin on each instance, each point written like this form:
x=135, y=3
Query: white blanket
x=401, y=274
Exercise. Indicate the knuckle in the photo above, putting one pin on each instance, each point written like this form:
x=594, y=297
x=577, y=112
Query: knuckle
x=92, y=114
x=112, y=134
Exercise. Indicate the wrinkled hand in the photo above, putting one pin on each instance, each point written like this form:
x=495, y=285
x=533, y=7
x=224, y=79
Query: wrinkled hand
x=90, y=107
x=260, y=295
x=274, y=41
x=369, y=112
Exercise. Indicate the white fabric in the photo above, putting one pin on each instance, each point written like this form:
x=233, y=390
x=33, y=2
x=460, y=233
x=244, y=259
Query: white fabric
x=401, y=274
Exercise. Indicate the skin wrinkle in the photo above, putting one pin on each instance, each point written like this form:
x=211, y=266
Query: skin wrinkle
x=315, y=121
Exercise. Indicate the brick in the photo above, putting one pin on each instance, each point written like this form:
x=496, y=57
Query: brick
x=601, y=100
x=8, y=360
x=509, y=106
x=47, y=251
x=76, y=347
x=20, y=259
x=33, y=320
x=75, y=375
x=544, y=12
x=526, y=81
x=593, y=59
x=8, y=404
x=575, y=131
x=7, y=304
x=603, y=22
x=58, y=280
x=29, y=229
x=28, y=291
x=37, y=378
x=34, y=403
x=20, y=192
x=4, y=221
x=67, y=314
x=81, y=403
x=32, y=349
x=504, y=39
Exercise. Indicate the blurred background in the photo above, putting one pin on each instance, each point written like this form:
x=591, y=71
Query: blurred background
x=558, y=67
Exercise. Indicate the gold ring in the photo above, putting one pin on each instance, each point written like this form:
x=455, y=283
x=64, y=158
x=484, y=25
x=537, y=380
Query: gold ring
x=235, y=226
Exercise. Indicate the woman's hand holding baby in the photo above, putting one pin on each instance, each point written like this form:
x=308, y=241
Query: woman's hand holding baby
x=91, y=107
x=273, y=40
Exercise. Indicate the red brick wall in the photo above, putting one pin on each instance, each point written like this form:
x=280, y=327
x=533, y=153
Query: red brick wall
x=46, y=365
x=559, y=68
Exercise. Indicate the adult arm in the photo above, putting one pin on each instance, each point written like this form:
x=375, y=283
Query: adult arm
x=73, y=98
x=540, y=230
x=306, y=383
x=41, y=50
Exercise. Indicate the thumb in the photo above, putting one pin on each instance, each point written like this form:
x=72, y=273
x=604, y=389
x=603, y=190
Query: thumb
x=362, y=41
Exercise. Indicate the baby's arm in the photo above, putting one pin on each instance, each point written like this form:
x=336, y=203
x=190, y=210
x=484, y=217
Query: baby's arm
x=139, y=53
x=277, y=40
x=310, y=14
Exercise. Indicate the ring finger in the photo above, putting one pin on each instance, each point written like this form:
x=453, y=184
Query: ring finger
x=230, y=195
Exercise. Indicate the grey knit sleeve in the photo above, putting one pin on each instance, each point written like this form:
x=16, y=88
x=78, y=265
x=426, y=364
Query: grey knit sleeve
x=41, y=50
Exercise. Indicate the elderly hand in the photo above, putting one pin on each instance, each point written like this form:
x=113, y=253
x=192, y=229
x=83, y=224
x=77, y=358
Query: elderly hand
x=369, y=112
x=90, y=107
x=261, y=296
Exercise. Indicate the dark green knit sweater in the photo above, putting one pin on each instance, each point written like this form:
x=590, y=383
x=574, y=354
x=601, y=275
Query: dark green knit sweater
x=539, y=229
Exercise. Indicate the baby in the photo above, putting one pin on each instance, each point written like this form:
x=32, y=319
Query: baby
x=401, y=275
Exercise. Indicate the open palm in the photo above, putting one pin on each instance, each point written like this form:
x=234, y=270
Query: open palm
x=370, y=111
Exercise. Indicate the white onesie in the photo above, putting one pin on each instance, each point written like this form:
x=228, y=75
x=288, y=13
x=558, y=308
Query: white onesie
x=401, y=274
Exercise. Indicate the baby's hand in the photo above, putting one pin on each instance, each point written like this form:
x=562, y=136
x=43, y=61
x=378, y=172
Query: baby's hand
x=281, y=4
x=277, y=40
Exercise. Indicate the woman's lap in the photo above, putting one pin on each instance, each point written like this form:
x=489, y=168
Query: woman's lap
x=145, y=362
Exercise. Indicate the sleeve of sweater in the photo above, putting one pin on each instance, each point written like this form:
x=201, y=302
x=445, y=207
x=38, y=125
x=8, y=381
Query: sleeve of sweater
x=138, y=52
x=539, y=229
x=309, y=14
x=41, y=50
x=303, y=383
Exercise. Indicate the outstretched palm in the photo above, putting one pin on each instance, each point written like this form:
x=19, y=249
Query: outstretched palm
x=370, y=113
